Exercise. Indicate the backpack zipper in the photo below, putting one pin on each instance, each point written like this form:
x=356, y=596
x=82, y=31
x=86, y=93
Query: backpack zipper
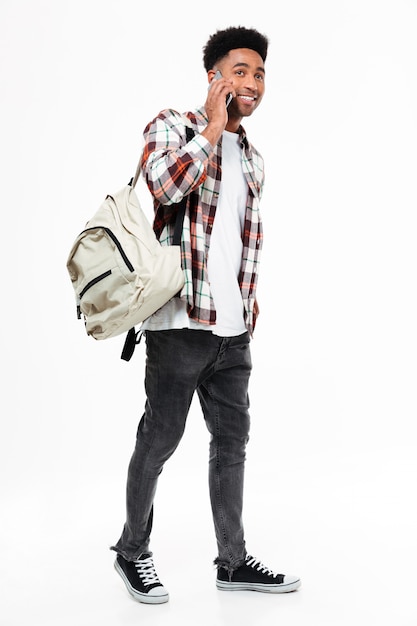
x=91, y=283
x=116, y=242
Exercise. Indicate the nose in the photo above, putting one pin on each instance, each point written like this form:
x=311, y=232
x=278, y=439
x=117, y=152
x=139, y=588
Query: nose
x=250, y=83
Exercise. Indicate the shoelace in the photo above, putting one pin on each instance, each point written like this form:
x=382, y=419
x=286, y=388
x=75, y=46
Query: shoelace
x=256, y=563
x=146, y=571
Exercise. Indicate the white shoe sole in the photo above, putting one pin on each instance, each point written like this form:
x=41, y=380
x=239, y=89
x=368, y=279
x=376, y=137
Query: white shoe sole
x=283, y=588
x=145, y=598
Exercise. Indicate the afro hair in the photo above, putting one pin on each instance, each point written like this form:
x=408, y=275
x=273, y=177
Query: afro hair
x=220, y=44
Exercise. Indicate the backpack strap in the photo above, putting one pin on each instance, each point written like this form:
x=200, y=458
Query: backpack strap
x=132, y=340
x=179, y=220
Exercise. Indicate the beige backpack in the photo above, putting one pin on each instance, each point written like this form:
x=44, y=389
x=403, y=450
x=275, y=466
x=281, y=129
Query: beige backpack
x=120, y=272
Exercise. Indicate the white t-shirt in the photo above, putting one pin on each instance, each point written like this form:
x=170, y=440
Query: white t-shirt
x=225, y=254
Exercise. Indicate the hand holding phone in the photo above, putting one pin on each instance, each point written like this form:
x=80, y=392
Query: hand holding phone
x=217, y=76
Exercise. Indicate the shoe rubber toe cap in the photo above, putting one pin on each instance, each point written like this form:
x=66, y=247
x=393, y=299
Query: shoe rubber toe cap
x=291, y=581
x=158, y=591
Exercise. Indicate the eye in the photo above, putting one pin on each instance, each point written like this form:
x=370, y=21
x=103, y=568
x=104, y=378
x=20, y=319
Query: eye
x=260, y=77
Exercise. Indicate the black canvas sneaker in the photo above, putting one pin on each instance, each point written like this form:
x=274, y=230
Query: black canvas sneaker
x=141, y=579
x=252, y=575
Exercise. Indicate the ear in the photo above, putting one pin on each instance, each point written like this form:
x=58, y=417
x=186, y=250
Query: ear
x=210, y=75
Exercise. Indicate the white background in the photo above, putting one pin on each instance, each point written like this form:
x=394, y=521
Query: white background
x=331, y=473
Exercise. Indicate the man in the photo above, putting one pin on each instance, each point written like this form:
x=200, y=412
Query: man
x=200, y=341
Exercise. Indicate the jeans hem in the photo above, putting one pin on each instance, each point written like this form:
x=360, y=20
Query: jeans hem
x=130, y=557
x=229, y=567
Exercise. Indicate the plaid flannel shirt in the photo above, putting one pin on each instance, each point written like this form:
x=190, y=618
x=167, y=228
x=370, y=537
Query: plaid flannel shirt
x=173, y=169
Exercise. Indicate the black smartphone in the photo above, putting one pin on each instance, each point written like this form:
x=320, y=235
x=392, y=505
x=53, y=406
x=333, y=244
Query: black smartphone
x=229, y=96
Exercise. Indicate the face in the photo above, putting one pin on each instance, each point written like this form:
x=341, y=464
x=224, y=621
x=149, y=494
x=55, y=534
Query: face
x=245, y=69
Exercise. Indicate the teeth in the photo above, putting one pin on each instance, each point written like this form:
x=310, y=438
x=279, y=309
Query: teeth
x=247, y=97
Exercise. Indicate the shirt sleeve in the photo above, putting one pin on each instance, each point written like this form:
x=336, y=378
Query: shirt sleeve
x=173, y=168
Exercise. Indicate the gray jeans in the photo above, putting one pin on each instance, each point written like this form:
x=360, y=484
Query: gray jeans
x=178, y=363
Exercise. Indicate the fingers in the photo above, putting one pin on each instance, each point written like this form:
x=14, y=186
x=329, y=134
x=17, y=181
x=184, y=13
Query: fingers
x=219, y=91
x=216, y=101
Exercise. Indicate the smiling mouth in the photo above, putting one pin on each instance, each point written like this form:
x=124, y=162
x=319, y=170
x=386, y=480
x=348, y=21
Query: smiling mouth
x=247, y=98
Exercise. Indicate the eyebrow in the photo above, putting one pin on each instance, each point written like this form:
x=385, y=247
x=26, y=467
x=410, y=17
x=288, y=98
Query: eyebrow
x=258, y=69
